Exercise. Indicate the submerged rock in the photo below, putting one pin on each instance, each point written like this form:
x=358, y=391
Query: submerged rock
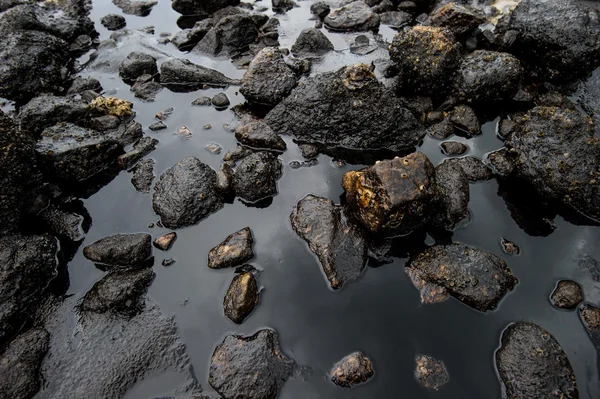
x=186, y=193
x=241, y=297
x=179, y=74
x=340, y=247
x=165, y=242
x=477, y=278
x=590, y=317
x=128, y=250
x=250, y=367
x=143, y=175
x=260, y=136
x=532, y=364
x=454, y=196
x=566, y=295
x=234, y=251
x=347, y=108
x=356, y=16
x=352, y=370
x=113, y=21
x=431, y=372
x=311, y=43
x=256, y=176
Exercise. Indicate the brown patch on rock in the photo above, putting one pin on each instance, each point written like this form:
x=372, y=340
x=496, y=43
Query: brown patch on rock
x=352, y=370
x=234, y=251
x=241, y=297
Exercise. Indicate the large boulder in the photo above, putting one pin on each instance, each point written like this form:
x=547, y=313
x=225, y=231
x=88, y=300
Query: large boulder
x=179, y=74
x=201, y=8
x=186, y=193
x=532, y=364
x=47, y=110
x=356, y=16
x=559, y=37
x=346, y=108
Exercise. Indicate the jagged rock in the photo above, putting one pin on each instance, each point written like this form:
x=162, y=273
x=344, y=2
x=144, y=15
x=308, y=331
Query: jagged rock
x=320, y=9
x=453, y=148
x=113, y=21
x=143, y=175
x=140, y=8
x=63, y=224
x=460, y=19
x=352, y=370
x=188, y=38
x=146, y=88
x=225, y=179
x=234, y=251
x=127, y=250
x=588, y=96
x=501, y=162
x=477, y=278
x=260, y=136
x=241, y=297
x=441, y=130
x=340, y=247
x=231, y=34
x=356, y=16
x=347, y=108
x=165, y=242
x=201, y=8
x=465, y=121
x=590, y=317
x=431, y=372
x=454, y=196
x=509, y=247
x=47, y=110
x=392, y=197
x=566, y=295
x=237, y=154
x=140, y=149
x=256, y=176
x=532, y=364
x=186, y=193
x=488, y=76
x=473, y=167
x=396, y=19
x=164, y=114
x=249, y=367
x=179, y=74
x=311, y=42
x=137, y=64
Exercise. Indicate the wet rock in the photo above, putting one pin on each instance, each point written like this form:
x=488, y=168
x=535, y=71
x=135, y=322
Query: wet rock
x=309, y=151
x=474, y=168
x=477, y=278
x=137, y=64
x=356, y=16
x=143, y=175
x=560, y=38
x=168, y=262
x=338, y=244
x=465, y=121
x=352, y=370
x=427, y=57
x=63, y=224
x=396, y=19
x=260, y=136
x=566, y=295
x=140, y=8
x=430, y=293
x=165, y=242
x=431, y=372
x=501, y=162
x=509, y=247
x=234, y=251
x=230, y=35
x=320, y=9
x=201, y=8
x=225, y=179
x=140, y=149
x=160, y=125
x=32, y=62
x=362, y=46
x=186, y=193
x=347, y=108
x=127, y=250
x=188, y=38
x=590, y=316
x=392, y=197
x=47, y=110
x=460, y=19
x=120, y=292
x=454, y=196
x=146, y=88
x=179, y=74
x=441, y=130
x=588, y=96
x=453, y=148
x=202, y=101
x=28, y=265
x=113, y=21
x=220, y=100
x=21, y=362
x=256, y=176
x=311, y=42
x=253, y=367
x=213, y=148
x=164, y=114
x=81, y=84
x=241, y=297
x=104, y=123
x=557, y=153
x=281, y=6
x=532, y=364
x=488, y=76
x=237, y=154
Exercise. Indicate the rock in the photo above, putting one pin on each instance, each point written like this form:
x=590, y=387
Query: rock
x=69, y=225
x=143, y=175
x=241, y=297
x=311, y=42
x=269, y=79
x=566, y=295
x=140, y=8
x=126, y=250
x=465, y=121
x=165, y=242
x=201, y=8
x=202, y=101
x=460, y=19
x=557, y=153
x=32, y=62
x=441, y=130
x=347, y=108
x=104, y=123
x=488, y=76
x=509, y=247
x=186, y=193
x=352, y=370
x=309, y=151
x=213, y=148
x=146, y=88
x=453, y=148
x=137, y=64
x=237, y=154
x=590, y=317
x=396, y=19
x=454, y=196
x=220, y=100
x=427, y=57
x=251, y=367
x=113, y=21
x=477, y=278
x=164, y=114
x=160, y=125
x=430, y=293
x=120, y=292
x=81, y=84
x=28, y=265
x=47, y=110
x=501, y=162
x=392, y=197
x=260, y=136
x=231, y=34
x=21, y=362
x=256, y=176
x=473, y=167
x=431, y=372
x=588, y=96
x=356, y=16
x=188, y=38
x=560, y=38
x=234, y=251
x=179, y=74
x=225, y=179
x=281, y=6
x=362, y=46
x=320, y=9
x=532, y=364
x=340, y=247
x=168, y=262
x=140, y=149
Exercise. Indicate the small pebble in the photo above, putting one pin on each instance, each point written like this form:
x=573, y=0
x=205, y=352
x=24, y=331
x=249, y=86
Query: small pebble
x=151, y=225
x=164, y=114
x=202, y=101
x=214, y=148
x=168, y=262
x=207, y=127
x=183, y=131
x=160, y=125
x=510, y=247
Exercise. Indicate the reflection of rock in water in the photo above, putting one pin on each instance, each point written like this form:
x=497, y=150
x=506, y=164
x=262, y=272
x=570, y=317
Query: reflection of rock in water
x=99, y=356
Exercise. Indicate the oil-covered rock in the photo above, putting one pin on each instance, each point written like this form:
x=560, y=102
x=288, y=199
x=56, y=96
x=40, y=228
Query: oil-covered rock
x=241, y=297
x=352, y=370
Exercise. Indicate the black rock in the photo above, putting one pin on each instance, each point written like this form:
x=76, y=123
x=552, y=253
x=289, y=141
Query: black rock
x=233, y=33
x=320, y=9
x=81, y=84
x=340, y=247
x=473, y=167
x=113, y=21
x=454, y=196
x=241, y=297
x=532, y=364
x=431, y=372
x=260, y=136
x=21, y=362
x=120, y=292
x=60, y=223
x=137, y=64
x=127, y=250
x=501, y=162
x=465, y=121
x=256, y=176
x=396, y=19
x=201, y=8
x=352, y=370
x=146, y=88
x=460, y=19
x=347, y=108
x=488, y=76
x=140, y=149
x=225, y=179
x=566, y=295
x=186, y=39
x=186, y=193
x=140, y=8
x=47, y=110
x=202, y=101
x=590, y=317
x=220, y=100
x=477, y=278
x=441, y=130
x=234, y=251
x=180, y=74
x=249, y=367
x=237, y=153
x=165, y=242
x=453, y=148
x=356, y=16
x=281, y=6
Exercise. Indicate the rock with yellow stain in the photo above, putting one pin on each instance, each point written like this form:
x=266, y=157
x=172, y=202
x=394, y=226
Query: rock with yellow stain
x=352, y=370
x=234, y=251
x=111, y=106
x=241, y=297
x=430, y=372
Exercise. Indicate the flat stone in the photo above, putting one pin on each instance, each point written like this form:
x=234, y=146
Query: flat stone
x=128, y=250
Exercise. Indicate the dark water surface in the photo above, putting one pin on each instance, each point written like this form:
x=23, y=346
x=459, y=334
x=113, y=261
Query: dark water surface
x=380, y=314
